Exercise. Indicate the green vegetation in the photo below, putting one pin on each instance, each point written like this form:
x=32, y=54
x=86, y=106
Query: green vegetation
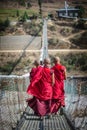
x=24, y=17
x=75, y=62
x=17, y=13
x=53, y=41
x=80, y=24
x=12, y=14
x=6, y=68
x=4, y=24
x=33, y=28
x=40, y=6
x=81, y=10
x=52, y=28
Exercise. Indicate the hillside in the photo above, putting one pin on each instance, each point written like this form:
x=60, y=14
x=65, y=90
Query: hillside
x=47, y=5
x=62, y=34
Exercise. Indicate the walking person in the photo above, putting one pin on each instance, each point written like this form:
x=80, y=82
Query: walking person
x=41, y=88
x=34, y=69
x=58, y=88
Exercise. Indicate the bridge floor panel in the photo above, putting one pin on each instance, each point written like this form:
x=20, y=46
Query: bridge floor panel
x=29, y=121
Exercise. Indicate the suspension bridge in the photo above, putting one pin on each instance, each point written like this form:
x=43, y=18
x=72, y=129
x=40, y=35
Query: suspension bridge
x=16, y=115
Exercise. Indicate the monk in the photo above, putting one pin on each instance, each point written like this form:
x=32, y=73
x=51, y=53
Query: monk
x=41, y=88
x=58, y=88
x=34, y=69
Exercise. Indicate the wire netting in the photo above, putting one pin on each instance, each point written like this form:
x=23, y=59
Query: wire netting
x=76, y=101
x=12, y=100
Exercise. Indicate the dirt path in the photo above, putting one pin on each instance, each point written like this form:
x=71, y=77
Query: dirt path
x=49, y=50
x=75, y=34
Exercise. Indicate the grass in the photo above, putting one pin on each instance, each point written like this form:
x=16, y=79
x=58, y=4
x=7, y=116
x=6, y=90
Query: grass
x=12, y=13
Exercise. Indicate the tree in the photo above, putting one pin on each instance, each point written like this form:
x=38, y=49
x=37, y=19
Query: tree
x=17, y=13
x=40, y=6
x=81, y=10
x=7, y=22
x=21, y=2
x=25, y=16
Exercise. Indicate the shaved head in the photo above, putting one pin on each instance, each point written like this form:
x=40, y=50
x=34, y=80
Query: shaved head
x=46, y=61
x=57, y=59
x=36, y=62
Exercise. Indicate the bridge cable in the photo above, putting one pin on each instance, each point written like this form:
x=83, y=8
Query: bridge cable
x=15, y=64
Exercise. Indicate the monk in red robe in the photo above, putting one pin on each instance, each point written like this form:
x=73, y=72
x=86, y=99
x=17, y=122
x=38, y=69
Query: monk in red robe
x=41, y=88
x=58, y=88
x=34, y=69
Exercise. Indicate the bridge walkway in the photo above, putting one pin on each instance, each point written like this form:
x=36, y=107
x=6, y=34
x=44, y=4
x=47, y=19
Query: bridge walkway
x=29, y=121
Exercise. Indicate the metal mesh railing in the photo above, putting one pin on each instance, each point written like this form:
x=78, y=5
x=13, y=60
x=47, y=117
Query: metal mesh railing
x=12, y=100
x=76, y=105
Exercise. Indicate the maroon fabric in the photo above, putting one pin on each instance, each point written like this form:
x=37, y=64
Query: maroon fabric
x=58, y=88
x=33, y=72
x=55, y=105
x=41, y=88
x=40, y=107
x=41, y=84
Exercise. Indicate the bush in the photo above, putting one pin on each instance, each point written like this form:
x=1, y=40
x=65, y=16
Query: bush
x=17, y=13
x=5, y=68
x=75, y=61
x=53, y=41
x=4, y=24
x=52, y=28
x=24, y=17
x=7, y=22
x=80, y=24
x=22, y=2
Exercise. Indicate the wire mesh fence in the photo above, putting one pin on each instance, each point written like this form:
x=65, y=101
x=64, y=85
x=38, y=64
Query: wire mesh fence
x=13, y=100
x=76, y=105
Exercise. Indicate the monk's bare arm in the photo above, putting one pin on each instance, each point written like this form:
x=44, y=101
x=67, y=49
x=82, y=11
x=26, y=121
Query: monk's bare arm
x=53, y=79
x=65, y=74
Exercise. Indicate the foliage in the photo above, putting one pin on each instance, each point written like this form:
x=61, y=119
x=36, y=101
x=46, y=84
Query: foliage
x=7, y=22
x=17, y=13
x=35, y=28
x=52, y=28
x=81, y=10
x=29, y=5
x=80, y=24
x=4, y=13
x=53, y=41
x=50, y=16
x=40, y=6
x=75, y=61
x=4, y=24
x=66, y=31
x=21, y=2
x=24, y=17
x=6, y=68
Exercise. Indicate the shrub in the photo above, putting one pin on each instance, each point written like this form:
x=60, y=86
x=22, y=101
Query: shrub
x=17, y=13
x=4, y=24
x=80, y=24
x=53, y=41
x=52, y=28
x=7, y=22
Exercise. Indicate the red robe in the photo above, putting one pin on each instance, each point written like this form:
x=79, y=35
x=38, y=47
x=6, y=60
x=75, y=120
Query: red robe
x=41, y=88
x=58, y=88
x=33, y=72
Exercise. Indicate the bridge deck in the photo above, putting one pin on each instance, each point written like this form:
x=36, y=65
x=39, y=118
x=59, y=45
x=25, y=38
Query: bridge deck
x=31, y=122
